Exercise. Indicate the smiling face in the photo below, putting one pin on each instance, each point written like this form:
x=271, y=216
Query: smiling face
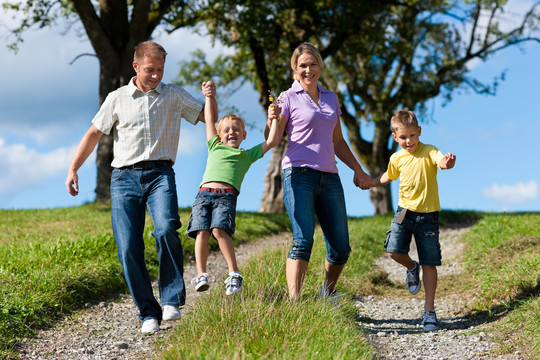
x=407, y=137
x=149, y=72
x=307, y=70
x=231, y=132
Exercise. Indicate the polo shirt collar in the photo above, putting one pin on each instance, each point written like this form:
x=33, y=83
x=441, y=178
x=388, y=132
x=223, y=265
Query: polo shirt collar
x=296, y=87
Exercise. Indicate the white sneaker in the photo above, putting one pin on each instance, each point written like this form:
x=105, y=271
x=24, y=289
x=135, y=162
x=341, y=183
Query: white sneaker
x=201, y=282
x=150, y=326
x=233, y=284
x=429, y=321
x=171, y=312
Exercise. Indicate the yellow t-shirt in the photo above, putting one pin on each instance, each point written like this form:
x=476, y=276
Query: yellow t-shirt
x=418, y=189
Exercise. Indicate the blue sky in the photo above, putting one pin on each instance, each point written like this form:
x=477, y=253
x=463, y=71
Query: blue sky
x=48, y=104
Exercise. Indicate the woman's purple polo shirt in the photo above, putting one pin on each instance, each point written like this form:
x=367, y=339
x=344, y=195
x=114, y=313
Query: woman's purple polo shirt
x=310, y=128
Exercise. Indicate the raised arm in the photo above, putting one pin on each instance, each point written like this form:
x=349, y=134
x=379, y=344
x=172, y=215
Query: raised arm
x=448, y=161
x=272, y=124
x=210, y=108
x=85, y=148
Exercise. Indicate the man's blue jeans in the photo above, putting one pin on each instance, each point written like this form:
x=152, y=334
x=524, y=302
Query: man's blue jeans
x=133, y=192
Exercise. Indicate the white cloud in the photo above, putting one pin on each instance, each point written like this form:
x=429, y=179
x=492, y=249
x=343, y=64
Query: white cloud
x=192, y=139
x=23, y=167
x=512, y=194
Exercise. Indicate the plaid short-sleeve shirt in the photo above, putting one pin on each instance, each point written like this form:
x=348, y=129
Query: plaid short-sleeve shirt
x=146, y=126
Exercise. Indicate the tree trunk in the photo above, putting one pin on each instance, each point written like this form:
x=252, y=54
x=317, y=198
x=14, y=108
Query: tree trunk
x=104, y=157
x=381, y=198
x=272, y=199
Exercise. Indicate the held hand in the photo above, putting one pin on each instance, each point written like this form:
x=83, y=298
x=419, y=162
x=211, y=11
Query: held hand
x=362, y=180
x=209, y=89
x=273, y=112
x=72, y=184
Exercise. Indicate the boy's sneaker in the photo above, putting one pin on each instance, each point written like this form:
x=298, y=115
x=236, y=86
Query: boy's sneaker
x=413, y=279
x=429, y=321
x=233, y=284
x=149, y=326
x=171, y=312
x=201, y=282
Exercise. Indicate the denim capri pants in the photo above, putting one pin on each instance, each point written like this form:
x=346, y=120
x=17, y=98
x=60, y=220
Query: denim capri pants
x=308, y=192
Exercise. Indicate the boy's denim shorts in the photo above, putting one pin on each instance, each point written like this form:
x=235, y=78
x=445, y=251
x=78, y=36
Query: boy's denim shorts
x=424, y=227
x=213, y=210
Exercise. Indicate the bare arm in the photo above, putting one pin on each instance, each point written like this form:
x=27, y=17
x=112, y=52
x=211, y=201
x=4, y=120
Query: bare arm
x=344, y=153
x=210, y=108
x=210, y=88
x=85, y=148
x=381, y=179
x=448, y=161
x=272, y=135
x=282, y=123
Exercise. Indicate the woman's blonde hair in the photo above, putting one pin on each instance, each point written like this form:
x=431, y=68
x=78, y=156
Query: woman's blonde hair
x=305, y=48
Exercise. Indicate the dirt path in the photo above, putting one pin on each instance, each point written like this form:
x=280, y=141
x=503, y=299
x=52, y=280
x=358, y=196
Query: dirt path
x=111, y=330
x=392, y=324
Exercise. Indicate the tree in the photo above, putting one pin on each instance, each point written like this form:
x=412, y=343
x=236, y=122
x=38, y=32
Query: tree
x=114, y=28
x=264, y=34
x=380, y=56
x=416, y=51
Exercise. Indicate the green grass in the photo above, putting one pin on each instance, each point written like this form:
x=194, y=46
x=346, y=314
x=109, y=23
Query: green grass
x=503, y=269
x=54, y=261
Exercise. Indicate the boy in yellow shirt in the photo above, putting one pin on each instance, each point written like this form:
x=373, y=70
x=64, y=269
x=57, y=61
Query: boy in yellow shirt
x=418, y=208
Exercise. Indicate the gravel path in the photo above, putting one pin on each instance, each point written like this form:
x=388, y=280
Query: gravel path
x=110, y=330
x=392, y=324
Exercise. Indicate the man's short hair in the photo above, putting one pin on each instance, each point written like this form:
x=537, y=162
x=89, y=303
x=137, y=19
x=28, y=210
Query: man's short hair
x=149, y=49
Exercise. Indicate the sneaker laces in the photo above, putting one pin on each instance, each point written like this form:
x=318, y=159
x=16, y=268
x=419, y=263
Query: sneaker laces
x=429, y=317
x=412, y=275
x=197, y=279
x=234, y=280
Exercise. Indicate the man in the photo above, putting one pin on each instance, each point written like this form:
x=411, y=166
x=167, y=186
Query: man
x=144, y=117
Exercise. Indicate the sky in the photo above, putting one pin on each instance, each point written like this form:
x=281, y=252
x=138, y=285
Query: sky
x=47, y=105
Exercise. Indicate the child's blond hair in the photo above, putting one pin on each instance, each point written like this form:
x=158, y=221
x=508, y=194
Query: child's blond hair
x=233, y=117
x=403, y=118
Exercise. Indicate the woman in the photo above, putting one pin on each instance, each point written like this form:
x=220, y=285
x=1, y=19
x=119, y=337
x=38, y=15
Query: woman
x=311, y=184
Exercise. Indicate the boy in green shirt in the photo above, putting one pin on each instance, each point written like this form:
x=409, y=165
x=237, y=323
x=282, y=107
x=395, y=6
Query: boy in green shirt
x=214, y=209
x=418, y=208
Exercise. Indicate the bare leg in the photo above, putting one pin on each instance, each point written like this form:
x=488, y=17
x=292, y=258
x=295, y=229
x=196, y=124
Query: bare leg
x=332, y=275
x=295, y=273
x=403, y=259
x=227, y=248
x=202, y=250
x=430, y=285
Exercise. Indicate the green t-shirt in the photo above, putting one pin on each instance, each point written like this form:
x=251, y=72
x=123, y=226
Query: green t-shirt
x=227, y=164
